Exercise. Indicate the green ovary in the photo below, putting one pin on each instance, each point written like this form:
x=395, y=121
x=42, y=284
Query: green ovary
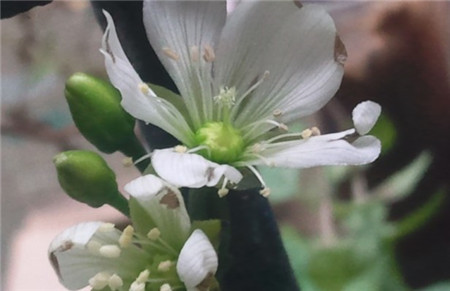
x=225, y=143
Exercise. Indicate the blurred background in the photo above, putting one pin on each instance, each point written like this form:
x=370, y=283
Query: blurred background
x=381, y=227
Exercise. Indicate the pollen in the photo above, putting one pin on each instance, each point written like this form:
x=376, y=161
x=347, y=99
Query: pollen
x=171, y=53
x=164, y=266
x=144, y=88
x=110, y=251
x=165, y=287
x=180, y=149
x=154, y=234
x=115, y=282
x=126, y=238
x=209, y=54
x=265, y=192
x=99, y=281
x=127, y=162
x=143, y=276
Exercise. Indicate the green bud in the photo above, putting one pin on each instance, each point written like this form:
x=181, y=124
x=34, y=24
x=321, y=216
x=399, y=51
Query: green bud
x=96, y=111
x=85, y=177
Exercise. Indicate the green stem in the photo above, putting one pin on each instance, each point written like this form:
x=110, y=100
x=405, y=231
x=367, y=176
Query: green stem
x=120, y=203
x=134, y=149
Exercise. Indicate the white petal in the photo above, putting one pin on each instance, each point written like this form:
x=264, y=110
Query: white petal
x=365, y=115
x=145, y=106
x=197, y=260
x=164, y=204
x=298, y=46
x=175, y=29
x=322, y=150
x=70, y=258
x=190, y=170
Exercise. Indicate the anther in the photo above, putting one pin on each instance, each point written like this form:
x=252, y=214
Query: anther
x=283, y=126
x=106, y=227
x=137, y=286
x=143, y=276
x=315, y=131
x=194, y=53
x=171, y=53
x=126, y=237
x=127, y=162
x=94, y=246
x=144, y=88
x=209, y=55
x=115, y=282
x=165, y=287
x=110, y=251
x=223, y=192
x=265, y=192
x=164, y=266
x=99, y=281
x=307, y=133
x=277, y=113
x=180, y=149
x=154, y=234
x=256, y=148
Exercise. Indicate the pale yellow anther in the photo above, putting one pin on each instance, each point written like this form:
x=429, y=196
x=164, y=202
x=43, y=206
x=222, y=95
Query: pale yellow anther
x=283, y=127
x=165, y=287
x=307, y=133
x=110, y=251
x=137, y=286
x=94, y=246
x=315, y=131
x=143, y=276
x=154, y=234
x=126, y=238
x=171, y=53
x=144, y=88
x=115, y=282
x=277, y=113
x=180, y=149
x=223, y=192
x=265, y=192
x=256, y=148
x=99, y=281
x=127, y=162
x=164, y=266
x=106, y=227
x=208, y=55
x=195, y=53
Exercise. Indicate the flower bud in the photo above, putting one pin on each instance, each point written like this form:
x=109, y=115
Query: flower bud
x=96, y=111
x=86, y=177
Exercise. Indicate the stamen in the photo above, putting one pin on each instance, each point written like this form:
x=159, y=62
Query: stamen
x=110, y=251
x=127, y=162
x=199, y=148
x=180, y=149
x=256, y=148
x=164, y=266
x=115, y=282
x=257, y=174
x=106, y=227
x=281, y=136
x=269, y=121
x=143, y=276
x=171, y=53
x=223, y=191
x=165, y=287
x=144, y=88
x=94, y=246
x=252, y=88
x=307, y=133
x=265, y=192
x=315, y=131
x=277, y=113
x=195, y=53
x=99, y=281
x=126, y=237
x=144, y=157
x=137, y=286
x=208, y=55
x=154, y=234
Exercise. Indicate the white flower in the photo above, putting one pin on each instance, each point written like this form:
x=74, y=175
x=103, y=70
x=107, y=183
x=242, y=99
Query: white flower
x=241, y=78
x=143, y=255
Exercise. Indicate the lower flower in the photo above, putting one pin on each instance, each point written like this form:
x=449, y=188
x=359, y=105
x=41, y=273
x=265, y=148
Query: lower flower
x=159, y=252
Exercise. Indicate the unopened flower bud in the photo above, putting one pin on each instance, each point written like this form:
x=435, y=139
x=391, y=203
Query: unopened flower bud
x=86, y=177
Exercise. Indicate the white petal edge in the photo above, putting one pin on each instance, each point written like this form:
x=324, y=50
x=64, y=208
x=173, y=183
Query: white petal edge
x=69, y=247
x=191, y=170
x=322, y=151
x=197, y=260
x=145, y=187
x=365, y=115
x=143, y=104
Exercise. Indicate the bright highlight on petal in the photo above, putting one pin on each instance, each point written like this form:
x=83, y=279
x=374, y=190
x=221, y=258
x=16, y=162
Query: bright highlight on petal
x=365, y=115
x=197, y=261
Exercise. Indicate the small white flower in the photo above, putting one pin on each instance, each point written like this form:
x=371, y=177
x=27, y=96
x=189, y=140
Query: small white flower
x=99, y=255
x=241, y=78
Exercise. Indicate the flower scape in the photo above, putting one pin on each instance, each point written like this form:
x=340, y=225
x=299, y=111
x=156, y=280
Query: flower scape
x=241, y=78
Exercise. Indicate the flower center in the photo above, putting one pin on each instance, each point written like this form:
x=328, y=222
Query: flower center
x=224, y=142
